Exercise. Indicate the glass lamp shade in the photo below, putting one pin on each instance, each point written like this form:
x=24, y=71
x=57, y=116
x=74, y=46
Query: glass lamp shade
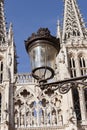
x=42, y=52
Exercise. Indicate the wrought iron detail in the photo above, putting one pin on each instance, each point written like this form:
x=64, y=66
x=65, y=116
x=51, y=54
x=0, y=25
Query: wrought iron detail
x=65, y=85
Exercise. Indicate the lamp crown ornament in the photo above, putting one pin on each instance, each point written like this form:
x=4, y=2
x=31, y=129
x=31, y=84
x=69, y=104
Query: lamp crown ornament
x=42, y=33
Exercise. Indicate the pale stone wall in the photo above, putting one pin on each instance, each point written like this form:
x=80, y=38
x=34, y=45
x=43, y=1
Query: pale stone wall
x=23, y=105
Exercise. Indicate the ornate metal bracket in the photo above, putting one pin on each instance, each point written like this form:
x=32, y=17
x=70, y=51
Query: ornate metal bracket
x=65, y=85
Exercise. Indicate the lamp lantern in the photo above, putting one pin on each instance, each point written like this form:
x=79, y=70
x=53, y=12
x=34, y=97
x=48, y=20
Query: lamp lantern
x=42, y=48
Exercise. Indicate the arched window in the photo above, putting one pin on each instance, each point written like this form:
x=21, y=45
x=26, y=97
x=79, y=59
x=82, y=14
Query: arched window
x=72, y=67
x=76, y=103
x=82, y=65
x=30, y=112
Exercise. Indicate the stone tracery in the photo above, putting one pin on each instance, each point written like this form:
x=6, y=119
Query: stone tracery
x=30, y=112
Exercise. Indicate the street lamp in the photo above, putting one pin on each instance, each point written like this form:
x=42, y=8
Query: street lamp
x=43, y=48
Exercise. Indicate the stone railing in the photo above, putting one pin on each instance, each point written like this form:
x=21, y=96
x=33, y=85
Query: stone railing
x=24, y=78
x=43, y=128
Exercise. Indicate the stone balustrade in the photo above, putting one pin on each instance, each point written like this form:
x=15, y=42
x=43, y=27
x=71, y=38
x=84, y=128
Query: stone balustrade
x=24, y=78
x=43, y=128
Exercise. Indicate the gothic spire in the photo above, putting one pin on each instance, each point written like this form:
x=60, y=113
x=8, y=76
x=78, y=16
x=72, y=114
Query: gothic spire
x=73, y=22
x=10, y=33
x=58, y=29
x=2, y=23
x=59, y=34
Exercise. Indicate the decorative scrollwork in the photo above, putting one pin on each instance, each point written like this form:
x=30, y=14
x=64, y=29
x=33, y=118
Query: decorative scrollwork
x=64, y=88
x=65, y=85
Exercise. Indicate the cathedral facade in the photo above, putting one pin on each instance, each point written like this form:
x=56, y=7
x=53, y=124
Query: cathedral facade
x=23, y=106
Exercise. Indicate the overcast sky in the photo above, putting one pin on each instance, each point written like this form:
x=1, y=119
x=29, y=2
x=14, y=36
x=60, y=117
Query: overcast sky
x=28, y=16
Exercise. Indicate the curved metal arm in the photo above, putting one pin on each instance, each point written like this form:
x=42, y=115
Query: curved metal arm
x=65, y=85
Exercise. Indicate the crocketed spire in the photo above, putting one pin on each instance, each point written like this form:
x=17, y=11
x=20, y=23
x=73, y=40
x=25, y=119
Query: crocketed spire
x=73, y=24
x=2, y=23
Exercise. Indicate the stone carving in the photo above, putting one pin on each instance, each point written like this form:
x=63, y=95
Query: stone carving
x=31, y=112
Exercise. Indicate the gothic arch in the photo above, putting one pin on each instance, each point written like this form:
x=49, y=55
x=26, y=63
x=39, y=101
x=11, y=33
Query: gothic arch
x=72, y=64
x=25, y=88
x=82, y=63
x=76, y=103
x=31, y=110
x=81, y=53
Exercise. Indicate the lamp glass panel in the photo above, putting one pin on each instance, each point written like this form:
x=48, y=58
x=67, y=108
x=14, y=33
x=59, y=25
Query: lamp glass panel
x=43, y=55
